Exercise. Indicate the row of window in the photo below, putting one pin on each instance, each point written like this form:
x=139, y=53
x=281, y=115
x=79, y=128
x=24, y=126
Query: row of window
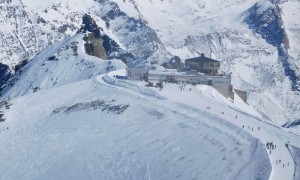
x=221, y=82
x=205, y=65
x=214, y=82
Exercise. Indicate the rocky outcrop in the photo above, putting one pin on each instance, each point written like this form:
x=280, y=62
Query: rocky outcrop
x=265, y=19
x=102, y=46
x=134, y=33
x=94, y=46
x=174, y=63
x=5, y=74
x=89, y=24
x=93, y=39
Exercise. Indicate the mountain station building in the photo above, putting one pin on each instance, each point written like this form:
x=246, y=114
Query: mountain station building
x=198, y=70
x=203, y=64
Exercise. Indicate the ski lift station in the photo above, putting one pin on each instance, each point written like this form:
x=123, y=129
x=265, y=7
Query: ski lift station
x=201, y=70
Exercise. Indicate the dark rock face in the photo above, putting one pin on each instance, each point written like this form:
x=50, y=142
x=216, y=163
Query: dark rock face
x=269, y=25
x=94, y=42
x=21, y=65
x=5, y=74
x=102, y=46
x=292, y=124
x=113, y=50
x=288, y=71
x=94, y=46
x=88, y=24
x=109, y=107
x=174, y=63
x=134, y=33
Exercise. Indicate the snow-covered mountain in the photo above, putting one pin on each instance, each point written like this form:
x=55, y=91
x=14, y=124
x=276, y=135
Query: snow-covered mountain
x=60, y=64
x=256, y=41
x=64, y=115
x=81, y=124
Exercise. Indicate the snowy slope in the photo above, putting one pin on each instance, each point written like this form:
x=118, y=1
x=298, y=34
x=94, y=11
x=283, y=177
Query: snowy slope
x=65, y=118
x=245, y=35
x=238, y=113
x=256, y=41
x=89, y=129
x=121, y=130
x=57, y=65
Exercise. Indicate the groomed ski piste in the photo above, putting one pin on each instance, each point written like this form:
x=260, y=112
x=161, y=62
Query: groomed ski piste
x=237, y=112
x=92, y=126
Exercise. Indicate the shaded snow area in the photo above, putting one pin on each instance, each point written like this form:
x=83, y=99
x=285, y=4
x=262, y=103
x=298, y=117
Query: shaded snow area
x=73, y=132
x=295, y=152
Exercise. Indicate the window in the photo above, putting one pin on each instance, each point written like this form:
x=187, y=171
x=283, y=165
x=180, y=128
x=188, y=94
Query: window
x=206, y=65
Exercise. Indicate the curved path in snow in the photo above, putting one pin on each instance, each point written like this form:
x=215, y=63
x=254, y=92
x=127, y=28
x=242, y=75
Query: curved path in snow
x=281, y=159
x=243, y=140
x=238, y=114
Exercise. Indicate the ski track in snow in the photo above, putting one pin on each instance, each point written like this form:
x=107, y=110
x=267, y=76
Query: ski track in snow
x=282, y=162
x=153, y=139
x=160, y=135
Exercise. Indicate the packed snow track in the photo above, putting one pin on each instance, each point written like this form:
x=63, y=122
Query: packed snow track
x=92, y=130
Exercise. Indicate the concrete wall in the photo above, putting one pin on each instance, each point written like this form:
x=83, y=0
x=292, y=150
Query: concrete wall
x=221, y=83
x=242, y=94
x=136, y=73
x=223, y=89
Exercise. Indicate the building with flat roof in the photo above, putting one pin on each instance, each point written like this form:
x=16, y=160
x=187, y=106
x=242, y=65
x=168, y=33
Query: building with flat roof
x=140, y=73
x=221, y=83
x=203, y=64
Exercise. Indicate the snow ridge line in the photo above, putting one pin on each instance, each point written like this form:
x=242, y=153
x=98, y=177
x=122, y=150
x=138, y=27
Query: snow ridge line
x=131, y=86
x=196, y=115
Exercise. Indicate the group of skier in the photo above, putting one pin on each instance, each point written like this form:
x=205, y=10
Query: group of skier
x=279, y=162
x=270, y=146
x=258, y=128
